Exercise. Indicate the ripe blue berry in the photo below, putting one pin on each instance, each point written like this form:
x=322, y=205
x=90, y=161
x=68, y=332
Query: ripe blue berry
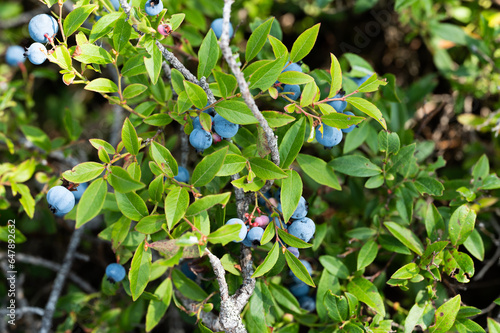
x=331, y=136
x=360, y=80
x=216, y=26
x=303, y=229
x=224, y=128
x=182, y=175
x=115, y=4
x=43, y=27
x=307, y=303
x=243, y=231
x=115, y=272
x=253, y=237
x=79, y=191
x=293, y=91
x=301, y=210
x=14, y=55
x=299, y=289
x=339, y=106
x=61, y=201
x=187, y=271
x=200, y=139
x=350, y=128
x=37, y=53
x=153, y=7
x=292, y=67
x=294, y=251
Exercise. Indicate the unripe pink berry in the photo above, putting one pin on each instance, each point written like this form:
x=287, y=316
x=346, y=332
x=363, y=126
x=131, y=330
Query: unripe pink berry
x=216, y=137
x=165, y=29
x=262, y=221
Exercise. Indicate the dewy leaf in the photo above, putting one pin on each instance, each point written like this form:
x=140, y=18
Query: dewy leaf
x=298, y=269
x=76, y=18
x=367, y=293
x=176, y=204
x=131, y=205
x=164, y=159
x=266, y=169
x=209, y=166
x=292, y=143
x=257, y=39
x=208, y=55
x=368, y=108
x=336, y=73
x=446, y=315
x=355, y=165
x=291, y=191
x=236, y=112
x=121, y=180
x=129, y=137
x=269, y=261
x=91, y=202
x=304, y=43
x=140, y=269
x=84, y=172
x=405, y=236
x=461, y=224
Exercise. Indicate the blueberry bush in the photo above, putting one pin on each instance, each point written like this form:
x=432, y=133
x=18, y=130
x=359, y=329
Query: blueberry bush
x=210, y=178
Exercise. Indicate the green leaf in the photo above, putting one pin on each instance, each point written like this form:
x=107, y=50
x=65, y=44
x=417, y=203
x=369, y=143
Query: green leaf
x=104, y=25
x=401, y=4
x=121, y=34
x=279, y=49
x=481, y=169
x=266, y=76
x=229, y=264
x=156, y=189
x=150, y=224
x=461, y=224
x=304, y=43
x=367, y=293
x=153, y=65
x=121, y=180
x=292, y=143
x=26, y=199
x=208, y=55
x=334, y=266
x=266, y=169
x=97, y=143
x=310, y=93
x=269, y=233
x=371, y=84
x=388, y=142
x=208, y=167
x=76, y=18
x=474, y=244
x=367, y=254
x=458, y=265
x=232, y=164
x=336, y=73
x=406, y=272
x=157, y=308
x=291, y=191
x=134, y=90
x=405, y=236
x=93, y=54
x=493, y=326
x=236, y=112
x=298, y=268
x=71, y=125
x=196, y=94
x=429, y=185
x=129, y=137
x=225, y=234
x=84, y=172
x=226, y=83
x=164, y=159
x=446, y=315
x=277, y=119
x=257, y=39
x=159, y=119
x=176, y=204
x=367, y=108
x=269, y=261
x=102, y=86
x=36, y=136
x=355, y=165
x=207, y=202
x=140, y=269
x=131, y=205
x=134, y=66
x=337, y=307
x=292, y=240
x=341, y=120
x=414, y=317
x=176, y=20
x=294, y=77
x=284, y=297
